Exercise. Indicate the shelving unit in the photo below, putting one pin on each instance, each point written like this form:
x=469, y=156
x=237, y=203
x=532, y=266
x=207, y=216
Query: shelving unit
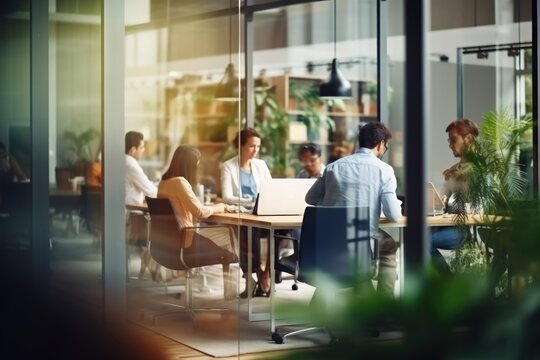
x=202, y=122
x=347, y=116
x=206, y=123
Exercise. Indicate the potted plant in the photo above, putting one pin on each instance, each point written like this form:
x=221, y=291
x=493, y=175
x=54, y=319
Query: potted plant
x=495, y=184
x=77, y=156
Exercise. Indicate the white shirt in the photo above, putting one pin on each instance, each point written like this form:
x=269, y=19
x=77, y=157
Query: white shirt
x=230, y=179
x=137, y=183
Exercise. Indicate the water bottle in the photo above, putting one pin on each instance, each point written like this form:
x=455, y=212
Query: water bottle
x=200, y=192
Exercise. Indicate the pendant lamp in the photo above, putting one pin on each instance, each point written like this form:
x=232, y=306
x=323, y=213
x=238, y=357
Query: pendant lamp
x=336, y=87
x=227, y=89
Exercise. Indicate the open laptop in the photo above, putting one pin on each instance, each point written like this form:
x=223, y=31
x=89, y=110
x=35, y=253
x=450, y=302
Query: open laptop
x=282, y=196
x=434, y=202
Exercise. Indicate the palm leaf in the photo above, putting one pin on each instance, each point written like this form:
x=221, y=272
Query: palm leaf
x=494, y=179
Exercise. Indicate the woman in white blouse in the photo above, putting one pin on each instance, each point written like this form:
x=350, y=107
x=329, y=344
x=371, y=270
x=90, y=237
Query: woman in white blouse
x=241, y=178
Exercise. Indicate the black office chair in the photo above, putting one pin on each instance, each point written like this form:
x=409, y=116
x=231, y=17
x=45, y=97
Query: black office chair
x=169, y=249
x=335, y=244
x=92, y=211
x=287, y=264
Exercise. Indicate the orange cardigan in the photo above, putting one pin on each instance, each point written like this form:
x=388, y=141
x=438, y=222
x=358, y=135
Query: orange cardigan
x=187, y=207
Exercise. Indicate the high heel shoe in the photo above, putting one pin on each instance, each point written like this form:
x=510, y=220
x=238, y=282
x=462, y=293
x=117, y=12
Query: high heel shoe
x=258, y=291
x=251, y=285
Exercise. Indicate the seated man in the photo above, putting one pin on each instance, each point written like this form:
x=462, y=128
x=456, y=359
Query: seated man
x=363, y=179
x=462, y=134
x=137, y=187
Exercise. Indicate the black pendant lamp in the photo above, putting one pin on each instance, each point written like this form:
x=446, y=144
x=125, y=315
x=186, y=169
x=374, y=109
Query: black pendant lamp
x=336, y=87
x=227, y=89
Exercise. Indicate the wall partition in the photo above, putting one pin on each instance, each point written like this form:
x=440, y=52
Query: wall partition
x=160, y=68
x=179, y=57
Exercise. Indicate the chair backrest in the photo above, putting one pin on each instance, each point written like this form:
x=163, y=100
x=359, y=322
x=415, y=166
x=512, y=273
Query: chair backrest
x=92, y=207
x=335, y=244
x=165, y=234
x=167, y=245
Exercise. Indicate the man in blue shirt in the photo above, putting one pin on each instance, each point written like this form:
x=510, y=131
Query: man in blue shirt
x=363, y=179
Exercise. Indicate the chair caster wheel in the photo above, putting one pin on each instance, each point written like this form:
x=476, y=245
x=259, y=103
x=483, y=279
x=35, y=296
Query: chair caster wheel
x=294, y=287
x=278, y=339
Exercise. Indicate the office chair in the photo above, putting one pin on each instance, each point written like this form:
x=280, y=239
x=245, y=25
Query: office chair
x=335, y=244
x=92, y=211
x=168, y=248
x=288, y=264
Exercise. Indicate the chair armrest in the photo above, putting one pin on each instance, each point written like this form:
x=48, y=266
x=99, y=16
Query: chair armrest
x=286, y=237
x=277, y=237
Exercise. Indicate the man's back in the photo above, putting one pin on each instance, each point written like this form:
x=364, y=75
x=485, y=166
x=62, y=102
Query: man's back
x=360, y=179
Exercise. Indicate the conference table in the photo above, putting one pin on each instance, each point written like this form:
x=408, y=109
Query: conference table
x=279, y=222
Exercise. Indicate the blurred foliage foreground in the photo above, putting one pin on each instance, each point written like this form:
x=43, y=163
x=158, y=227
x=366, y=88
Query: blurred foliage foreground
x=440, y=317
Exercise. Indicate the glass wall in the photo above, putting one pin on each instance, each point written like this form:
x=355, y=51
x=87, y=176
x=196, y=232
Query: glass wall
x=477, y=70
x=176, y=54
x=75, y=133
x=488, y=75
x=15, y=136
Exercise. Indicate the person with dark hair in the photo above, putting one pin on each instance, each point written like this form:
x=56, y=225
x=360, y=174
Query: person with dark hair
x=10, y=171
x=310, y=158
x=242, y=175
x=10, y=166
x=363, y=179
x=241, y=179
x=178, y=184
x=137, y=183
x=137, y=187
x=462, y=134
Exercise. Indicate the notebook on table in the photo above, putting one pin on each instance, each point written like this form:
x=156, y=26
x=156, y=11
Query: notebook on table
x=434, y=202
x=282, y=196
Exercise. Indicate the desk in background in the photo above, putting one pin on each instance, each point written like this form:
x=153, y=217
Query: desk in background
x=67, y=202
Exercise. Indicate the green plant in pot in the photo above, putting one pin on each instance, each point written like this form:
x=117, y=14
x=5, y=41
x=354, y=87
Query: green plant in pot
x=79, y=149
x=495, y=183
x=313, y=116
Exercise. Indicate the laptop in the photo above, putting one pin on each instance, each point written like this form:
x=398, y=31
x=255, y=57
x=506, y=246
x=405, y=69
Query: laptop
x=434, y=202
x=282, y=196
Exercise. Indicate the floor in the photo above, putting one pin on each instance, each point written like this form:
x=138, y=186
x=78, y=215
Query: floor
x=76, y=273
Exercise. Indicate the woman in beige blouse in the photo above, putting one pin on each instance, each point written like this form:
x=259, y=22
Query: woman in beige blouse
x=177, y=185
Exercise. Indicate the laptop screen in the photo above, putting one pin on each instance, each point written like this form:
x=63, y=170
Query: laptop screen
x=434, y=202
x=282, y=196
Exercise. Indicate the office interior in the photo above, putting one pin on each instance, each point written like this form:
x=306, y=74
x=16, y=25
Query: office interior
x=103, y=68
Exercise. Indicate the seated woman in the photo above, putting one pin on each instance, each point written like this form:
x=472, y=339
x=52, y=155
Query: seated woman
x=241, y=179
x=177, y=184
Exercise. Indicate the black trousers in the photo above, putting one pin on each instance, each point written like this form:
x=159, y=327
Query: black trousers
x=255, y=249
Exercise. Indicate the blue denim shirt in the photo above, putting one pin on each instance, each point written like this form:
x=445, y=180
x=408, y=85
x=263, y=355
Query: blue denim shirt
x=360, y=179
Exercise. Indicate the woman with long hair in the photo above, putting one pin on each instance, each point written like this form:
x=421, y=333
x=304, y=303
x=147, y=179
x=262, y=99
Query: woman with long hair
x=178, y=184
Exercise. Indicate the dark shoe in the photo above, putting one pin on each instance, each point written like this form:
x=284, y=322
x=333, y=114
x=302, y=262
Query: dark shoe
x=258, y=292
x=244, y=294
